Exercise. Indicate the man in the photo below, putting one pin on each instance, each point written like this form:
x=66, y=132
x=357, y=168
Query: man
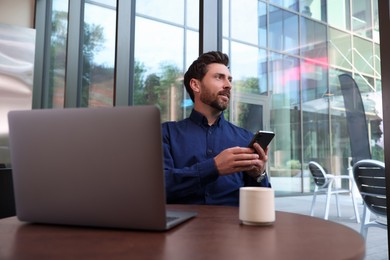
x=206, y=158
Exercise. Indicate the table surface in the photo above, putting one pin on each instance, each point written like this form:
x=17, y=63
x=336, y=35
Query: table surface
x=215, y=233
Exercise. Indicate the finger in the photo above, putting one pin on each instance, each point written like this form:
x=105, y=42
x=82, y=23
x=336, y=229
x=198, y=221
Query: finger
x=242, y=150
x=250, y=157
x=247, y=165
x=259, y=150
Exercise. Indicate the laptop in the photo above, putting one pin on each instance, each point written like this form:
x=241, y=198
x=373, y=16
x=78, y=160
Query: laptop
x=100, y=167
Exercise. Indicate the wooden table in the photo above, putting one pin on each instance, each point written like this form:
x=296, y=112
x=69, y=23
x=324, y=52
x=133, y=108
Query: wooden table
x=215, y=233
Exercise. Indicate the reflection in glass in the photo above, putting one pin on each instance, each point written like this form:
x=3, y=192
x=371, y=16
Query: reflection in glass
x=284, y=77
x=248, y=116
x=340, y=49
x=313, y=40
x=160, y=69
x=363, y=55
x=339, y=14
x=263, y=72
x=245, y=17
x=377, y=59
x=313, y=8
x=283, y=30
x=375, y=35
x=361, y=18
x=192, y=14
x=290, y=4
x=98, y=54
x=244, y=62
x=17, y=48
x=56, y=90
x=167, y=10
x=263, y=22
x=314, y=83
x=365, y=83
x=285, y=65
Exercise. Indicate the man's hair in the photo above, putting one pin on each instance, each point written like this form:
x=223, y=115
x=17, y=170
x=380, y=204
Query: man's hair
x=198, y=68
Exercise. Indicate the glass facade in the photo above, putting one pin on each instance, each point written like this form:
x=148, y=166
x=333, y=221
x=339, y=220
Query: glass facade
x=286, y=57
x=302, y=47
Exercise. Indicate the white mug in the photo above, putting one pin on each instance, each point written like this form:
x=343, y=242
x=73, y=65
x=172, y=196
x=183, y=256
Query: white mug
x=257, y=206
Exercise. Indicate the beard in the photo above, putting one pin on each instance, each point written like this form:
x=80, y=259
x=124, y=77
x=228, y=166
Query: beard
x=213, y=100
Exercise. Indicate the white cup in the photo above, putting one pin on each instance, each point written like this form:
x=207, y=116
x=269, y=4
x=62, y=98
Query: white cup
x=257, y=206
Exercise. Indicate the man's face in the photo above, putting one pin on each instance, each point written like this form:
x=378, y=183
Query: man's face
x=215, y=86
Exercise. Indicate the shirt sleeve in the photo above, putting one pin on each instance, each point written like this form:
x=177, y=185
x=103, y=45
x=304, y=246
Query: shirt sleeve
x=188, y=182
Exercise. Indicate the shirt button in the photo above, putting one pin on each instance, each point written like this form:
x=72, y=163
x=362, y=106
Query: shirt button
x=209, y=151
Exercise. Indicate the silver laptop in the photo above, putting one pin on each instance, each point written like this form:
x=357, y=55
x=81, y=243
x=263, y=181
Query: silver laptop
x=99, y=167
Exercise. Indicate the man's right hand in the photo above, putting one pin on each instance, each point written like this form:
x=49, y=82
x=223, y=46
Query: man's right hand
x=237, y=159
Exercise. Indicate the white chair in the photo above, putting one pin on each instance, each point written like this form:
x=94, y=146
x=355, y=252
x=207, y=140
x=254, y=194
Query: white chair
x=371, y=182
x=325, y=184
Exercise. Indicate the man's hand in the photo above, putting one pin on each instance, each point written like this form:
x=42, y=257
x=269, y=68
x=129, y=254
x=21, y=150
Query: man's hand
x=236, y=159
x=263, y=157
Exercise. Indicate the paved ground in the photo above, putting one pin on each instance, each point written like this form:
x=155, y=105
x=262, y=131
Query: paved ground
x=376, y=243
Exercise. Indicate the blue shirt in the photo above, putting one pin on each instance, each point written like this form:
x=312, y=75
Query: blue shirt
x=191, y=176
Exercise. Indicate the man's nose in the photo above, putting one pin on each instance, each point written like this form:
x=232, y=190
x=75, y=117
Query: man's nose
x=228, y=84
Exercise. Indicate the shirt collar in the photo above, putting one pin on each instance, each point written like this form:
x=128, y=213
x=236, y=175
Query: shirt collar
x=200, y=119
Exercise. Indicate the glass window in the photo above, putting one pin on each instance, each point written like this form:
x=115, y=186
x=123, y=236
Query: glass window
x=248, y=68
x=192, y=52
x=168, y=10
x=284, y=78
x=314, y=78
x=59, y=29
x=290, y=4
x=244, y=21
x=263, y=71
x=377, y=60
x=283, y=31
x=98, y=53
x=286, y=57
x=313, y=8
x=226, y=18
x=313, y=40
x=163, y=51
x=340, y=49
x=244, y=64
x=249, y=113
x=160, y=67
x=339, y=14
x=375, y=35
x=363, y=55
x=361, y=18
x=192, y=13
x=366, y=84
x=263, y=22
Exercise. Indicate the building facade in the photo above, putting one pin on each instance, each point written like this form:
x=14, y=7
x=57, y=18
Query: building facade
x=286, y=59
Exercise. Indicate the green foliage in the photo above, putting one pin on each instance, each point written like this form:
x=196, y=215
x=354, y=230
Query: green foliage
x=293, y=164
x=93, y=39
x=164, y=89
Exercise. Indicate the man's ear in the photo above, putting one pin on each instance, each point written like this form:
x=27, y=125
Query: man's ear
x=195, y=85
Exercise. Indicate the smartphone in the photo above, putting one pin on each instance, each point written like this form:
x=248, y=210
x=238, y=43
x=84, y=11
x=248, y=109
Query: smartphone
x=263, y=138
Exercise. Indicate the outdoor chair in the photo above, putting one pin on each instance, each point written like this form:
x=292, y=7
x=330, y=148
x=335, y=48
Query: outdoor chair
x=326, y=184
x=370, y=179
